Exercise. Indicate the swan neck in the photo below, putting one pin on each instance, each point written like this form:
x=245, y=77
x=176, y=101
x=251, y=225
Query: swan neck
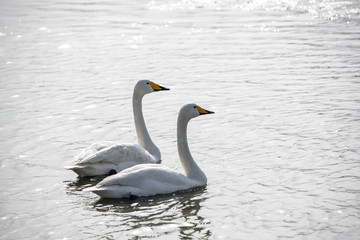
x=143, y=136
x=188, y=163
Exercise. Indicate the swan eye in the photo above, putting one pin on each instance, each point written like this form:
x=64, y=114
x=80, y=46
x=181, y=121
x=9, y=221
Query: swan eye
x=147, y=83
x=194, y=106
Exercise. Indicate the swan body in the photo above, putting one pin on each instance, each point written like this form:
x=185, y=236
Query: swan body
x=114, y=157
x=105, y=157
x=152, y=179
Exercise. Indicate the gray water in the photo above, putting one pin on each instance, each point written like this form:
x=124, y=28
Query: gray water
x=281, y=152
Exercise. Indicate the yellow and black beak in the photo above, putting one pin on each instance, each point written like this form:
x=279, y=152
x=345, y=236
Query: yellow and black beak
x=157, y=87
x=203, y=111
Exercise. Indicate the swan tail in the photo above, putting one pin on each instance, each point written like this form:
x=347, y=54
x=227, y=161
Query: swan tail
x=89, y=170
x=73, y=167
x=79, y=170
x=114, y=191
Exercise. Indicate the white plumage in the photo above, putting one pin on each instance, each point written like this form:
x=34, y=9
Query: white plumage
x=115, y=157
x=102, y=158
x=152, y=179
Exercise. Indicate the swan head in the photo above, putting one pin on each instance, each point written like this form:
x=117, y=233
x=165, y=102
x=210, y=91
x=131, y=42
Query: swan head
x=192, y=110
x=145, y=86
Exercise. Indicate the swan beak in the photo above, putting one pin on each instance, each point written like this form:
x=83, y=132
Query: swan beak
x=203, y=111
x=157, y=87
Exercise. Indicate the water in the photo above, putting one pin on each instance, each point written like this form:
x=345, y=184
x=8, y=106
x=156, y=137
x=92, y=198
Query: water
x=281, y=153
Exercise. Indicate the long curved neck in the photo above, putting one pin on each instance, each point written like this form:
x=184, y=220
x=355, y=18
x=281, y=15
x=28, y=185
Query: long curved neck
x=191, y=169
x=144, y=138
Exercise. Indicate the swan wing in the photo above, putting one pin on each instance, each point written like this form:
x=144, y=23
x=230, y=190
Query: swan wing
x=137, y=175
x=92, y=149
x=117, y=153
x=101, y=158
x=143, y=180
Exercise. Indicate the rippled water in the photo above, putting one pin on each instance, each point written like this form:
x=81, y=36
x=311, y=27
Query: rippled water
x=281, y=153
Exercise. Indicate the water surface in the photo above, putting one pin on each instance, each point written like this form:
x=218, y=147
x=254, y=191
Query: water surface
x=281, y=153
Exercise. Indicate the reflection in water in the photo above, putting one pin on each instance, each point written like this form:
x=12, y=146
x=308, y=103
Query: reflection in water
x=195, y=225
x=81, y=183
x=174, y=214
x=163, y=214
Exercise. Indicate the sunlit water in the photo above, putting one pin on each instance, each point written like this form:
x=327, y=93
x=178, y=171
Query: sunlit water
x=282, y=152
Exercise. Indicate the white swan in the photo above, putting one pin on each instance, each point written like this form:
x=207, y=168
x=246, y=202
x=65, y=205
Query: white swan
x=152, y=179
x=109, y=157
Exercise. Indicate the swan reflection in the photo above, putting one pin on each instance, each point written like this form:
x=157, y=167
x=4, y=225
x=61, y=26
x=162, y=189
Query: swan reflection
x=173, y=214
x=76, y=187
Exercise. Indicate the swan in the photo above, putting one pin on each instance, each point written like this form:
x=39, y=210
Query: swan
x=152, y=179
x=102, y=158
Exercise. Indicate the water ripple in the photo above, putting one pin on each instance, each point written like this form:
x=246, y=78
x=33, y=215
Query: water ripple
x=281, y=153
